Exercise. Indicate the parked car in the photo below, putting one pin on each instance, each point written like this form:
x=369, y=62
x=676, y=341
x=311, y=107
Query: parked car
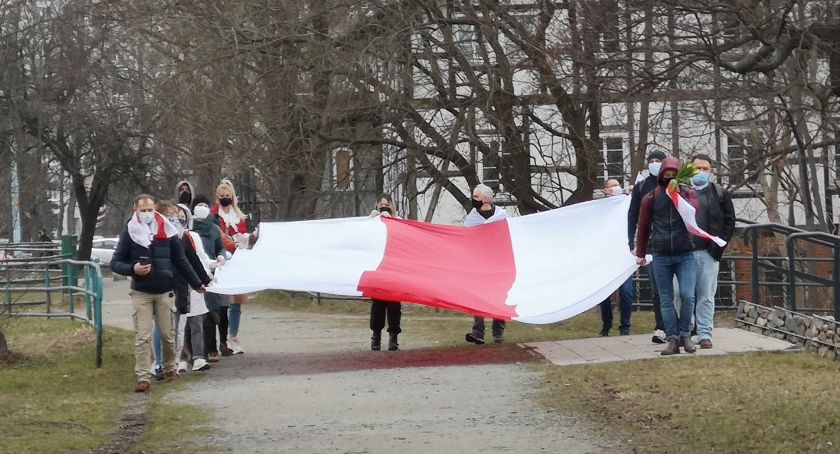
x=103, y=249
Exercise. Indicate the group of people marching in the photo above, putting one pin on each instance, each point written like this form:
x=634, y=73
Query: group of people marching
x=171, y=249
x=655, y=227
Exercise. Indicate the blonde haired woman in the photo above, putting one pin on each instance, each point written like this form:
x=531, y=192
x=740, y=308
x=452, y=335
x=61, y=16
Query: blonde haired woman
x=231, y=221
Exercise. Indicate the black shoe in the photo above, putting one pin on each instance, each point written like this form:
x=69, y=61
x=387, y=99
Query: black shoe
x=159, y=375
x=498, y=339
x=604, y=333
x=471, y=337
x=226, y=352
x=376, y=342
x=392, y=343
x=624, y=332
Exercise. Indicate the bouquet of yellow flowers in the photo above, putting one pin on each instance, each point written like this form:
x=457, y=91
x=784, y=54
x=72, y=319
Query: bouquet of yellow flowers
x=684, y=174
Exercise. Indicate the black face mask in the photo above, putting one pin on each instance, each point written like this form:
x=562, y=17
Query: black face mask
x=667, y=181
x=477, y=204
x=386, y=210
x=225, y=201
x=185, y=198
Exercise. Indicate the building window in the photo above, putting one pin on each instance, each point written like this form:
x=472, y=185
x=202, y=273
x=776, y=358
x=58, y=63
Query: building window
x=610, y=34
x=739, y=154
x=466, y=40
x=612, y=149
x=490, y=168
x=342, y=169
x=735, y=159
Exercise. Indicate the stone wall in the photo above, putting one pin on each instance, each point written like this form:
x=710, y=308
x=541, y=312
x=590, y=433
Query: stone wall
x=815, y=333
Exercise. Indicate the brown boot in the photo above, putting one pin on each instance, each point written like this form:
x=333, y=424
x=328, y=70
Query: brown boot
x=673, y=348
x=171, y=376
x=706, y=343
x=142, y=387
x=687, y=344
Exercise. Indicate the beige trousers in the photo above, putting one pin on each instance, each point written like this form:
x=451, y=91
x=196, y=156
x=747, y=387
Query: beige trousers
x=162, y=307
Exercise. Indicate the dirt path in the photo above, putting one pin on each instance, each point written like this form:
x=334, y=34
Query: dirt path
x=308, y=384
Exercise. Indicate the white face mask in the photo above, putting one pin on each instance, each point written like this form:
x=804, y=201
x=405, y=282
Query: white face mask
x=177, y=223
x=201, y=212
x=615, y=190
x=146, y=217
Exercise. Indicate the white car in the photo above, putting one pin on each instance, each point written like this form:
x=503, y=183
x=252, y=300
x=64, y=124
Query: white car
x=103, y=249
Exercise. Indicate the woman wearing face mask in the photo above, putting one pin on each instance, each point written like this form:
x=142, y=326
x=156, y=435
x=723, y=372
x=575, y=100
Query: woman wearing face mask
x=232, y=222
x=177, y=216
x=380, y=309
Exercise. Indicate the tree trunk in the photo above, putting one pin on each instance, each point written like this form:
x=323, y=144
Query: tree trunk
x=4, y=348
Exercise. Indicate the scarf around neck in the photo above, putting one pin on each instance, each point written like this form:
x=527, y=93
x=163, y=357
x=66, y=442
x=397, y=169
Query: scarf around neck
x=143, y=235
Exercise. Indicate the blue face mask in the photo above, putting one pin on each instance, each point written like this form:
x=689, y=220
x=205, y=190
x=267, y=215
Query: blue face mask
x=701, y=179
x=654, y=168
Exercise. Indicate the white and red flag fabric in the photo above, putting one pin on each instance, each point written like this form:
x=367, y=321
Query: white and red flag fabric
x=689, y=216
x=539, y=268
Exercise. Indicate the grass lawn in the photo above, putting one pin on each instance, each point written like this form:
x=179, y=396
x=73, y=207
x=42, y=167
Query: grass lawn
x=53, y=399
x=52, y=396
x=445, y=328
x=758, y=402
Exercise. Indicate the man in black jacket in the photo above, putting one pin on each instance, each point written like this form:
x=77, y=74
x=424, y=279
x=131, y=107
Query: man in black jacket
x=149, y=252
x=717, y=217
x=642, y=188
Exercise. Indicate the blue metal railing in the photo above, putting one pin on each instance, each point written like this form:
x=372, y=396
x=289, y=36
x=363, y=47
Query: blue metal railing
x=49, y=274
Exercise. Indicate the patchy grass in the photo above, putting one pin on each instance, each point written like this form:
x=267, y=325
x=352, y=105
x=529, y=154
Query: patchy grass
x=760, y=402
x=175, y=427
x=52, y=396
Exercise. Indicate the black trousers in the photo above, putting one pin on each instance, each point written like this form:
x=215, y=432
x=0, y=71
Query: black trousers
x=379, y=310
x=478, y=327
x=210, y=331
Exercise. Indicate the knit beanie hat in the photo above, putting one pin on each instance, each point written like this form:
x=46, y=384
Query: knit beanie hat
x=656, y=154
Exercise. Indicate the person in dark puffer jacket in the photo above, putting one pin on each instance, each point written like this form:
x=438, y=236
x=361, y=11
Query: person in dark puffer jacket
x=211, y=237
x=149, y=251
x=641, y=189
x=661, y=232
x=717, y=217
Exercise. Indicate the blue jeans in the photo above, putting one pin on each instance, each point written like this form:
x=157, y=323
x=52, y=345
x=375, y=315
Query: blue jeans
x=157, y=348
x=626, y=296
x=233, y=319
x=707, y=279
x=665, y=267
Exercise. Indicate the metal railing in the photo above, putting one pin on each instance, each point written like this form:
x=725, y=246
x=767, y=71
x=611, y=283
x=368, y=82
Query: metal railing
x=796, y=267
x=40, y=277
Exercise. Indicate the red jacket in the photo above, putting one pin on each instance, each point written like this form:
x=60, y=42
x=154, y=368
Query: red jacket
x=661, y=229
x=242, y=227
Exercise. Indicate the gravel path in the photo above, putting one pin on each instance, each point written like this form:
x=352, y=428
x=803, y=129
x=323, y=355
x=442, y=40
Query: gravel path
x=308, y=385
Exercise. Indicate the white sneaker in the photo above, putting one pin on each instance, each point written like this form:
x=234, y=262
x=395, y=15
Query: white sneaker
x=235, y=347
x=200, y=364
x=182, y=367
x=659, y=337
x=695, y=339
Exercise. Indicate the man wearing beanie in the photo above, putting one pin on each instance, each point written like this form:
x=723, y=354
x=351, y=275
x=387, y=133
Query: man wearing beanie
x=642, y=188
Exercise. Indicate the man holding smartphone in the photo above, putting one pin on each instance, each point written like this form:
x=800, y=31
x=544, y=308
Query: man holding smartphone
x=149, y=251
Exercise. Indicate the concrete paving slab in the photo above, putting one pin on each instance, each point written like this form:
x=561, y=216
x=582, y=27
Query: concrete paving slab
x=625, y=348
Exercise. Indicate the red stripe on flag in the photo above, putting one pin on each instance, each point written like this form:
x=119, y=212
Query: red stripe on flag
x=465, y=269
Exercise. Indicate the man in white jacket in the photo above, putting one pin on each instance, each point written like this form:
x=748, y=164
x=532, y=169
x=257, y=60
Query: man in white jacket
x=484, y=212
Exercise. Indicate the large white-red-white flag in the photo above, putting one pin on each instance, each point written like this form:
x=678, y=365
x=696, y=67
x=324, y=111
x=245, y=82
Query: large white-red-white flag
x=539, y=268
x=689, y=216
